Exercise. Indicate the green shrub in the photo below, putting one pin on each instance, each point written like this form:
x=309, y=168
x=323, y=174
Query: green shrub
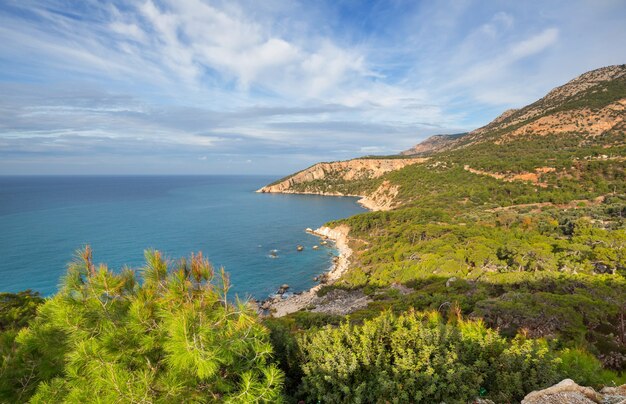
x=417, y=357
x=585, y=369
x=17, y=309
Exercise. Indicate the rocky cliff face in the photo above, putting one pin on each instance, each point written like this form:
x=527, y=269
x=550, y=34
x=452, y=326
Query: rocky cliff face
x=345, y=170
x=591, y=122
x=327, y=178
x=588, y=98
x=384, y=198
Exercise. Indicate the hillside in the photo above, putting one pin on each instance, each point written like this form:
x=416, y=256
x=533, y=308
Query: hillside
x=434, y=144
x=592, y=104
x=557, y=143
x=520, y=223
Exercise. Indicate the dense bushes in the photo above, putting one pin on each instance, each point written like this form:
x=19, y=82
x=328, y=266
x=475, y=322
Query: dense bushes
x=168, y=337
x=400, y=249
x=17, y=309
x=417, y=357
x=556, y=272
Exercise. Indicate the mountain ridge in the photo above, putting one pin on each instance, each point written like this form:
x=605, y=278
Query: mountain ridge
x=572, y=125
x=560, y=104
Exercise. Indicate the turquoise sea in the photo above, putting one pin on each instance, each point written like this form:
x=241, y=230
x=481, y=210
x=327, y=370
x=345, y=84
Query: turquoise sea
x=43, y=220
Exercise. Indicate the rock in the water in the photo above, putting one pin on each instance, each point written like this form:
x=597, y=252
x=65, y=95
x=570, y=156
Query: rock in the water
x=283, y=288
x=315, y=247
x=300, y=248
x=569, y=392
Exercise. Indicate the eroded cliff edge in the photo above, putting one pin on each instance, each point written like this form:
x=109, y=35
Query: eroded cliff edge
x=347, y=178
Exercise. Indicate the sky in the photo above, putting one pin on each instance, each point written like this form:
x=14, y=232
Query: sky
x=270, y=87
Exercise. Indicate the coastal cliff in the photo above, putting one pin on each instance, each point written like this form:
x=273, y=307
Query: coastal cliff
x=347, y=178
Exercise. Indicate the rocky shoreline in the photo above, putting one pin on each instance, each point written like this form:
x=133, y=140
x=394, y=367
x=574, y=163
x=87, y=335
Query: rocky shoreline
x=280, y=306
x=338, y=302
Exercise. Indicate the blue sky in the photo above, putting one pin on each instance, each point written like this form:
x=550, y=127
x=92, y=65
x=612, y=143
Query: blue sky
x=269, y=87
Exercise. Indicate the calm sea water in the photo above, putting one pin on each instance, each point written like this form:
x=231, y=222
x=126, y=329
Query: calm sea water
x=43, y=220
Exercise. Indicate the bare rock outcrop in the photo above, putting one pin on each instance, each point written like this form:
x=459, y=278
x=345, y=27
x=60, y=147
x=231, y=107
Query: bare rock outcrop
x=586, y=81
x=557, y=97
x=384, y=198
x=567, y=391
x=345, y=170
x=308, y=181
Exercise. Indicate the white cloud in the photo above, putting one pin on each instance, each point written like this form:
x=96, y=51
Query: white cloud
x=531, y=46
x=283, y=76
x=487, y=69
x=131, y=31
x=194, y=35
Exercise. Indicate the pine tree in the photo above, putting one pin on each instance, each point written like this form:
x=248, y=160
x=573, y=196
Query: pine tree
x=171, y=336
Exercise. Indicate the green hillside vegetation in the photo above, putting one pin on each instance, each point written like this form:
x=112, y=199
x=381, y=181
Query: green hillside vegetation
x=526, y=153
x=420, y=357
x=174, y=336
x=584, y=168
x=334, y=183
x=546, y=259
x=526, y=261
x=555, y=273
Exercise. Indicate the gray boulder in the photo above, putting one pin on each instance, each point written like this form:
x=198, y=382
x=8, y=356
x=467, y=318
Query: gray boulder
x=569, y=392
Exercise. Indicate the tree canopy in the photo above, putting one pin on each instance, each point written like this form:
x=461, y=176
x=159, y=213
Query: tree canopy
x=170, y=335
